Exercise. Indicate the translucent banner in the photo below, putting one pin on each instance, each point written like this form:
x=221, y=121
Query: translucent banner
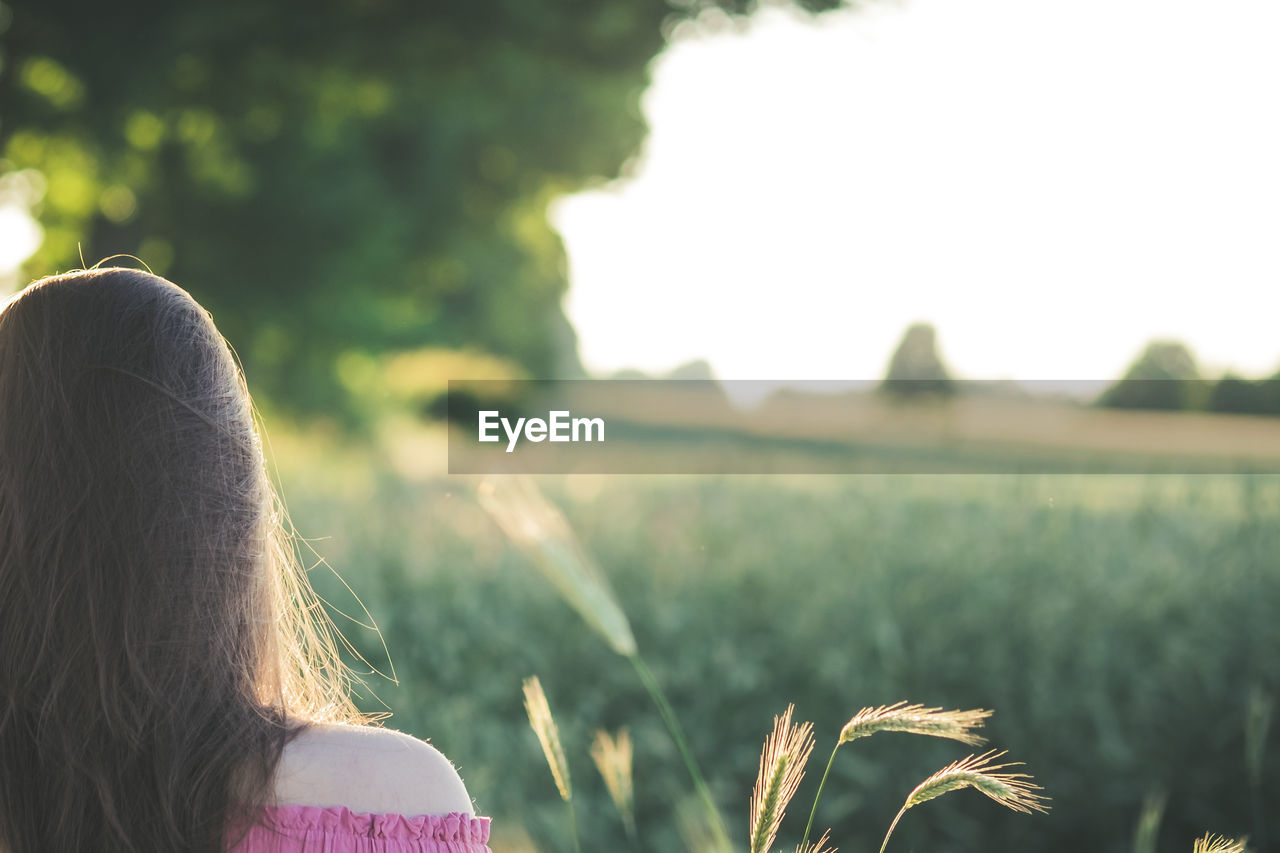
x=824, y=427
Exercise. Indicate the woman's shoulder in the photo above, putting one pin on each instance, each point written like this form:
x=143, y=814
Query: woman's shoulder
x=368, y=769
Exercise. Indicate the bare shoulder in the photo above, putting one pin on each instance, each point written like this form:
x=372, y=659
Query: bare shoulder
x=369, y=769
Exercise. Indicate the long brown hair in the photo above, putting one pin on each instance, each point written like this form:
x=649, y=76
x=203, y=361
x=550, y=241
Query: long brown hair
x=159, y=642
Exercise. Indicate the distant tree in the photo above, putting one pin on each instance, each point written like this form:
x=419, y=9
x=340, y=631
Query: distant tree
x=1236, y=395
x=699, y=368
x=1270, y=392
x=916, y=367
x=629, y=373
x=1163, y=376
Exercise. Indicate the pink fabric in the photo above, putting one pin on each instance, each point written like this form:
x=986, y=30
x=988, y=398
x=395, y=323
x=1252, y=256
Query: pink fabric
x=337, y=829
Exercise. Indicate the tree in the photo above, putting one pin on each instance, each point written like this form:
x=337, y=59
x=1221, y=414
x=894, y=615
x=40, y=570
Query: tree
x=333, y=177
x=916, y=367
x=1271, y=394
x=1163, y=376
x=1244, y=396
x=1231, y=393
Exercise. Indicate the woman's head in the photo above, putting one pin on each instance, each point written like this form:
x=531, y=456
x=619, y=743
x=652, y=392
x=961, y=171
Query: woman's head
x=155, y=627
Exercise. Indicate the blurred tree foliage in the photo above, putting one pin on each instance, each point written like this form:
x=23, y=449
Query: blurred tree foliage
x=1236, y=395
x=1163, y=376
x=336, y=178
x=916, y=367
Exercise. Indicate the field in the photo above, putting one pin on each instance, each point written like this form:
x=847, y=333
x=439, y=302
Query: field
x=1122, y=627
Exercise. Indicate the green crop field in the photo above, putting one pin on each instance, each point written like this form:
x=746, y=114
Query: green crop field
x=1123, y=629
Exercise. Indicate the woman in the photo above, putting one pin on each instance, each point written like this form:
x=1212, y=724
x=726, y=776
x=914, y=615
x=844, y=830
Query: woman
x=165, y=684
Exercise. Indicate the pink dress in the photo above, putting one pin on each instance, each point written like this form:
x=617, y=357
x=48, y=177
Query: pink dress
x=337, y=829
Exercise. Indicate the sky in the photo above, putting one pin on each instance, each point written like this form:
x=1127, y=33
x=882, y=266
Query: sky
x=1051, y=184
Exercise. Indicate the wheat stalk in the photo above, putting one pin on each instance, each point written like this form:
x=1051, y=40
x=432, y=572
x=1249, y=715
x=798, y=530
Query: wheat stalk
x=541, y=531
x=1257, y=720
x=916, y=719
x=1218, y=844
x=1148, y=828
x=819, y=846
x=1011, y=790
x=613, y=759
x=538, y=528
x=901, y=717
x=781, y=768
x=1008, y=789
x=544, y=726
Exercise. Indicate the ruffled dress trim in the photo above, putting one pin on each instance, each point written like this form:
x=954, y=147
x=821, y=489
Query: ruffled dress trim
x=330, y=826
x=447, y=827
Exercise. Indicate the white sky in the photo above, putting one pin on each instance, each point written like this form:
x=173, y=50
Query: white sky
x=1051, y=183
